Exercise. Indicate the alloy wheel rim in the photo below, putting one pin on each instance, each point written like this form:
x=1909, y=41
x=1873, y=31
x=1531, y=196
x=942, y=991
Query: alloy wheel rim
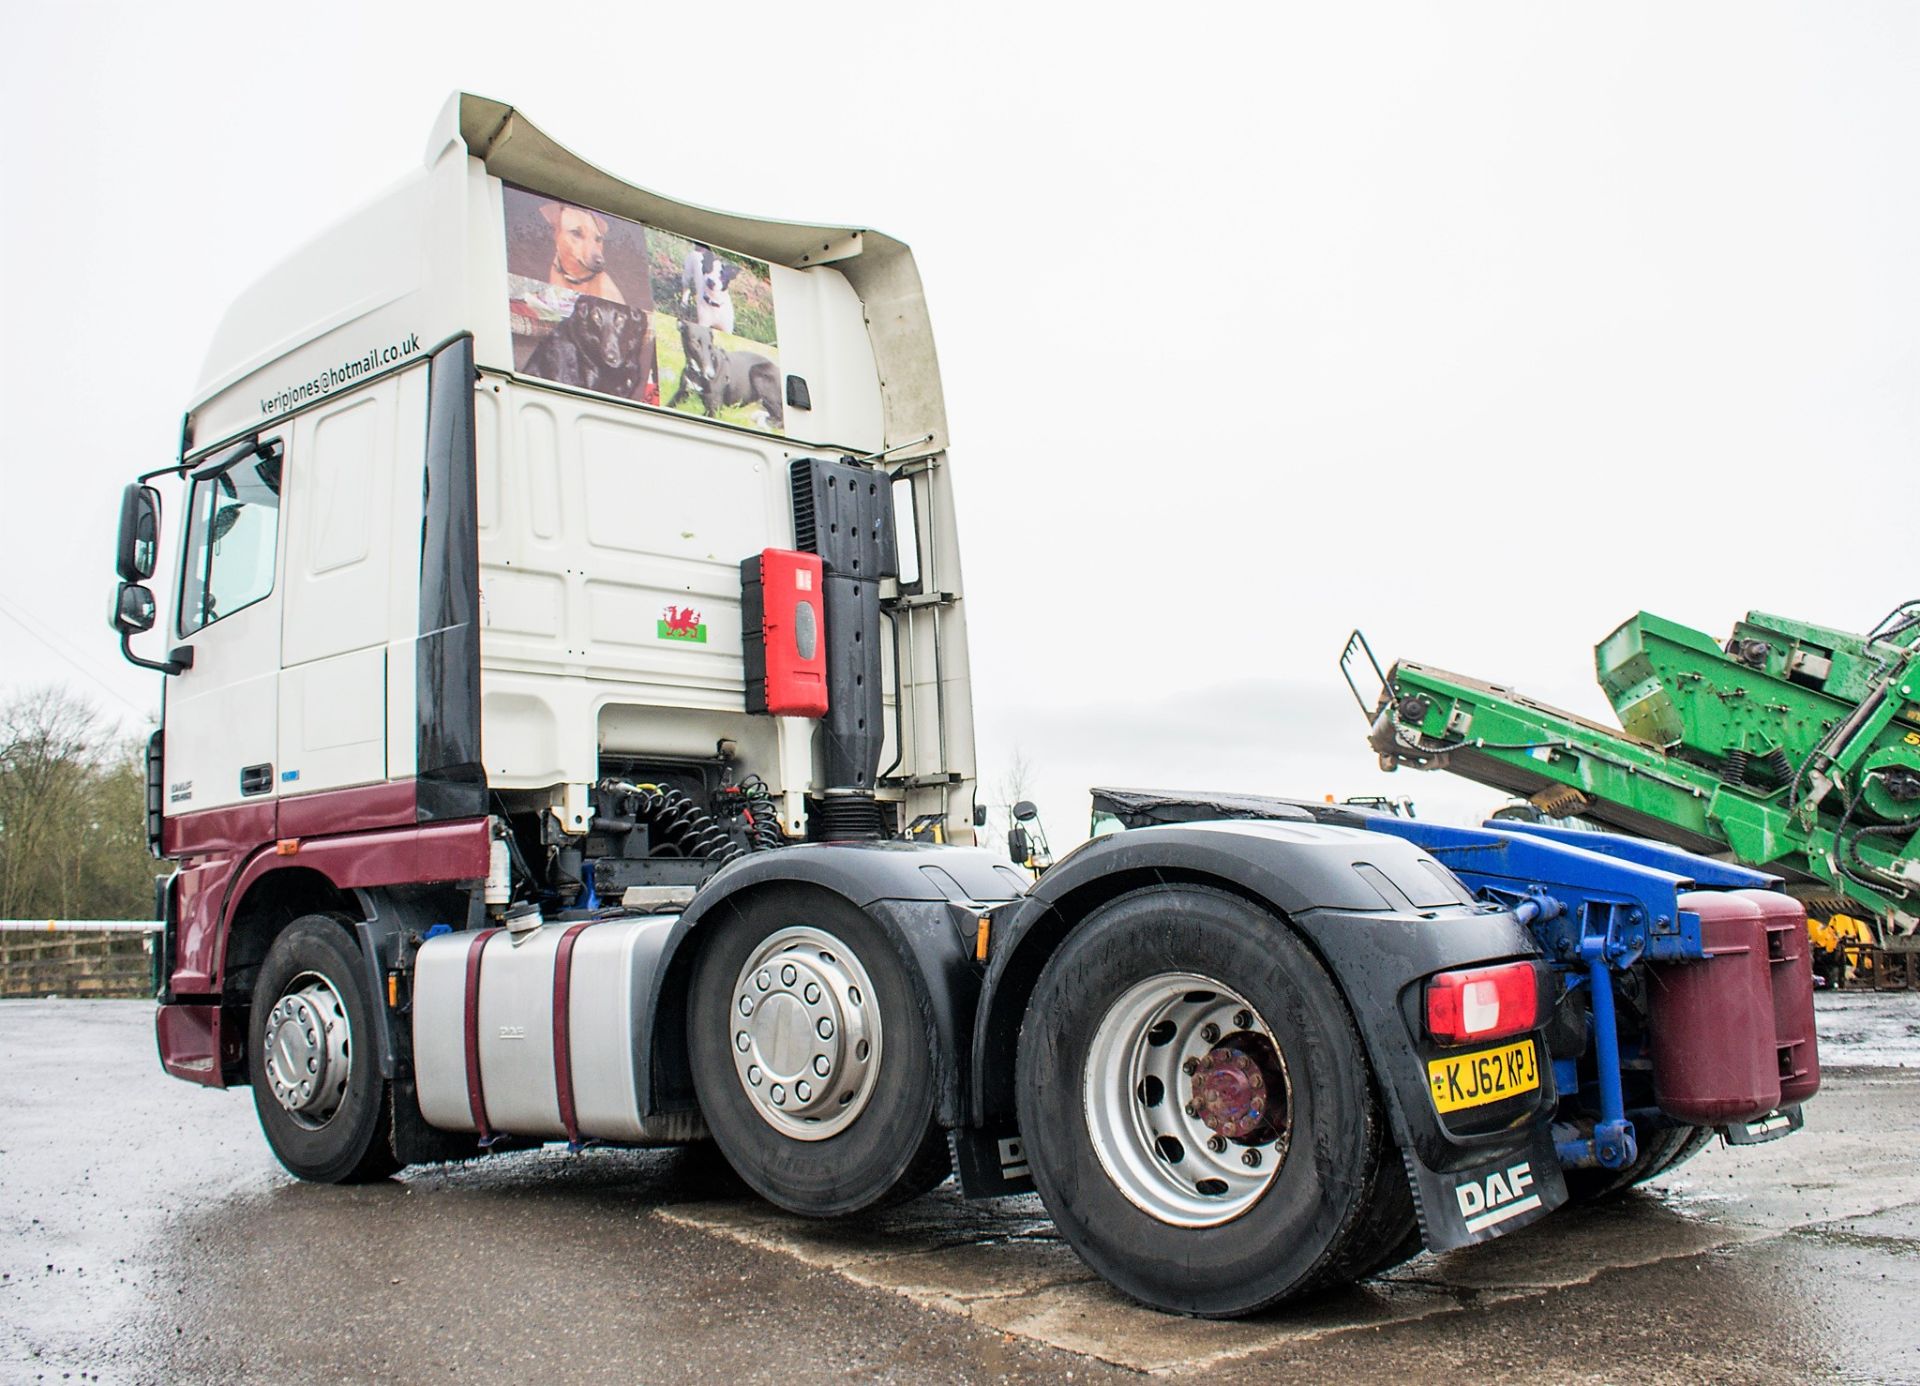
x=1188, y=1102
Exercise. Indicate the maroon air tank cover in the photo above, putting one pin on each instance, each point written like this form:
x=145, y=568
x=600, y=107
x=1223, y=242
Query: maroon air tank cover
x=1790, y=958
x=1715, y=1055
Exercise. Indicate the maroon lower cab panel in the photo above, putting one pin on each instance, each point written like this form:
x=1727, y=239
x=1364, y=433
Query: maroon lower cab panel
x=191, y=1043
x=223, y=831
x=354, y=837
x=349, y=810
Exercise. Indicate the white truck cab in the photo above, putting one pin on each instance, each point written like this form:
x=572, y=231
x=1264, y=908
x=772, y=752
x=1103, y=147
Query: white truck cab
x=308, y=598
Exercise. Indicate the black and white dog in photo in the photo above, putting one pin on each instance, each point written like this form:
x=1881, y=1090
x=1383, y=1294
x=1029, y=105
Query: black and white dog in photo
x=600, y=346
x=723, y=377
x=705, y=279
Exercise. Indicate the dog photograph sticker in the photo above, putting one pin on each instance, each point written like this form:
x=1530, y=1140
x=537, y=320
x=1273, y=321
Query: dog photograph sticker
x=609, y=305
x=579, y=298
x=719, y=343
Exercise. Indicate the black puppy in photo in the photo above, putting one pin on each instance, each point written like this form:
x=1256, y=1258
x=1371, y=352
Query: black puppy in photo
x=725, y=377
x=600, y=346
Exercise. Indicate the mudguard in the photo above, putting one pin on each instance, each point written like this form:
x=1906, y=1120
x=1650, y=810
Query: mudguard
x=1382, y=916
x=927, y=897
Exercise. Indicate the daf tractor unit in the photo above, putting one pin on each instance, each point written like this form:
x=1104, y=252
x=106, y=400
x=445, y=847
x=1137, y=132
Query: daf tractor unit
x=568, y=737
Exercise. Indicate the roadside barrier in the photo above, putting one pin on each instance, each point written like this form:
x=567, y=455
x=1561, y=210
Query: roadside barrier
x=77, y=957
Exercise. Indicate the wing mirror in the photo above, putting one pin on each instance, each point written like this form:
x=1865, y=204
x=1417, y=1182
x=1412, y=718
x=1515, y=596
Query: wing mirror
x=134, y=612
x=1027, y=840
x=133, y=609
x=139, y=547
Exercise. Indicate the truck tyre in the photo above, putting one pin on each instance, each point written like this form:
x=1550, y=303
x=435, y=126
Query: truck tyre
x=811, y=1059
x=324, y=1107
x=1199, y=1113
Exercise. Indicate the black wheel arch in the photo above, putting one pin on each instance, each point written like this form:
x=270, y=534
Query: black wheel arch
x=375, y=918
x=1307, y=877
x=926, y=899
x=1284, y=870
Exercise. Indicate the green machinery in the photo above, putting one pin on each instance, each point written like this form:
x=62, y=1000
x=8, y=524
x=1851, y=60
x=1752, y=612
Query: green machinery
x=1791, y=747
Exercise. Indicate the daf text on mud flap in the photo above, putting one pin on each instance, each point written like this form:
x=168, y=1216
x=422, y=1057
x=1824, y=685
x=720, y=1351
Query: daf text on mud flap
x=1500, y=1196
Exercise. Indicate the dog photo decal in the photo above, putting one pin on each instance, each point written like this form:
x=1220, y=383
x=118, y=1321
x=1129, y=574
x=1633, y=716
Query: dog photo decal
x=718, y=340
x=606, y=304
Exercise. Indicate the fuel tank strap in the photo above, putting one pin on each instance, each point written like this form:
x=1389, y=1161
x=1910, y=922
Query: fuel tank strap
x=563, y=1029
x=476, y=1094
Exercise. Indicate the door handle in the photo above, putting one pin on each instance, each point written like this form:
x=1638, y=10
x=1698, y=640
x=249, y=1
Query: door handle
x=256, y=779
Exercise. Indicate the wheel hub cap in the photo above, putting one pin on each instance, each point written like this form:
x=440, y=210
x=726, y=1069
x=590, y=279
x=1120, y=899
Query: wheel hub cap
x=1187, y=1100
x=1237, y=1087
x=806, y=1033
x=308, y=1043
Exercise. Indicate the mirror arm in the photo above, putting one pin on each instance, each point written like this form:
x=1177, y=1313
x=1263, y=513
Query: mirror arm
x=178, y=662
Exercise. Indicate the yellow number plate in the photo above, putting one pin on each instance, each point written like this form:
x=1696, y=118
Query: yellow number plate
x=1487, y=1075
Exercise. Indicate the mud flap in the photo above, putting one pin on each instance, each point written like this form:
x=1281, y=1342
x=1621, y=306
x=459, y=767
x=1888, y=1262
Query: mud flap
x=1460, y=1208
x=991, y=1161
x=1770, y=1127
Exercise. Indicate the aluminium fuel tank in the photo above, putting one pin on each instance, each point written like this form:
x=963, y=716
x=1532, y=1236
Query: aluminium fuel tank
x=488, y=1053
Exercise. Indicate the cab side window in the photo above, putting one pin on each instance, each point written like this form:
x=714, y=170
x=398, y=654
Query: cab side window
x=233, y=536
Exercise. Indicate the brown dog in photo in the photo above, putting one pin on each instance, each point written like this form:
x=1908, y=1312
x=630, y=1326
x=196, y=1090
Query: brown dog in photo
x=580, y=251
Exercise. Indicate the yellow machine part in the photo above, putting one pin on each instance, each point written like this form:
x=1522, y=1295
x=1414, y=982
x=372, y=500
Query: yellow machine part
x=1842, y=941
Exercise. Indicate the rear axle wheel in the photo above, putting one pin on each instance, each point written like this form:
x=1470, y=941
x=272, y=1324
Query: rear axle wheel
x=810, y=1057
x=1198, y=1110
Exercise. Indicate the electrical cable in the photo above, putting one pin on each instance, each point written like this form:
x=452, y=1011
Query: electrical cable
x=9, y=611
x=680, y=823
x=1847, y=849
x=1882, y=631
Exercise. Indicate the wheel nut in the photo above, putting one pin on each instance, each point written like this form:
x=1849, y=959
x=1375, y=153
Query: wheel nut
x=1216, y=1143
x=1251, y=1159
x=779, y=1095
x=753, y=1074
x=1193, y=1109
x=1243, y=1020
x=812, y=994
x=1210, y=1032
x=803, y=1090
x=1190, y=1067
x=787, y=975
x=821, y=1067
x=743, y=1041
x=825, y=1028
x=313, y=1065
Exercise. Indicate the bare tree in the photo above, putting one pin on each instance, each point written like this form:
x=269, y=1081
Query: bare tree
x=1012, y=786
x=72, y=813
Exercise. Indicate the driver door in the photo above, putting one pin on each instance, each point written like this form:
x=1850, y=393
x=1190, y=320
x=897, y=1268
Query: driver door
x=222, y=720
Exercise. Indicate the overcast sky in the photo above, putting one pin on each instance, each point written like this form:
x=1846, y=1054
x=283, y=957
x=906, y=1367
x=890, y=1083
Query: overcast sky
x=1478, y=326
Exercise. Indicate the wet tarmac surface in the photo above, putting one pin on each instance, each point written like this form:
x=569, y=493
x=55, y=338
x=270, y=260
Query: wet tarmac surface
x=147, y=1235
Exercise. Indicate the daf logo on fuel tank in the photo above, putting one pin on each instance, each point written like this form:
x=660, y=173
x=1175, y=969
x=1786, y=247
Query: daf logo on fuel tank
x=1501, y=1195
x=513, y=1032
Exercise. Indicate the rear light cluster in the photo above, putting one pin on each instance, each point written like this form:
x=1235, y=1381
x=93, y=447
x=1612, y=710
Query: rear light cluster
x=1482, y=1003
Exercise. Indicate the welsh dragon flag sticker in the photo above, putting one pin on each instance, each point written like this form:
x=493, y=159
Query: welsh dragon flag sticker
x=681, y=623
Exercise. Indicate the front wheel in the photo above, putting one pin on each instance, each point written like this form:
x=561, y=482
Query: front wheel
x=1199, y=1113
x=323, y=1105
